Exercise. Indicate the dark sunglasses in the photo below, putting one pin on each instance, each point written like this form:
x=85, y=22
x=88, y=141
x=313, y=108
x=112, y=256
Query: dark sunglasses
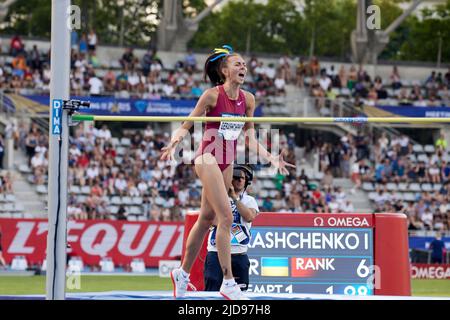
x=238, y=178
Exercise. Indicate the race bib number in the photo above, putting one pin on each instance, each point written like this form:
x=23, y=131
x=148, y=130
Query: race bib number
x=230, y=130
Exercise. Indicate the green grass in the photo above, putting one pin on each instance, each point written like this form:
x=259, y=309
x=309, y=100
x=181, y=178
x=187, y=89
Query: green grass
x=36, y=285
x=431, y=288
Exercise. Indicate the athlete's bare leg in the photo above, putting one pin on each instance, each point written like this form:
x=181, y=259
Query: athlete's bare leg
x=215, y=206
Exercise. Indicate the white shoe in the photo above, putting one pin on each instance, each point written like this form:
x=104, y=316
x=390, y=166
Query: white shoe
x=180, y=283
x=232, y=292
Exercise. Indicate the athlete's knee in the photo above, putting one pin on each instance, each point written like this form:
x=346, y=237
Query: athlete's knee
x=225, y=221
x=205, y=222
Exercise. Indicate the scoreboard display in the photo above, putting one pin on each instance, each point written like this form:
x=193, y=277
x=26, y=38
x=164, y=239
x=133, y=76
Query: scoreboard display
x=311, y=253
x=311, y=260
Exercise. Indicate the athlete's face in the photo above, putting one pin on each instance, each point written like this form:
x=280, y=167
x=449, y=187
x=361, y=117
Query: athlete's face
x=235, y=69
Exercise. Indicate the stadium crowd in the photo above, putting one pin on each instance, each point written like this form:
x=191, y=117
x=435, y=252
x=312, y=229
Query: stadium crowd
x=130, y=76
x=391, y=165
x=129, y=167
x=168, y=191
x=327, y=84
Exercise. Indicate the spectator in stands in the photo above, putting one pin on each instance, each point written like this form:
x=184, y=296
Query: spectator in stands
x=314, y=67
x=122, y=213
x=441, y=142
x=128, y=59
x=300, y=72
x=267, y=205
x=395, y=79
x=437, y=247
x=352, y=78
x=83, y=45
x=190, y=62
x=16, y=45
x=35, y=59
x=2, y=150
x=95, y=86
x=347, y=207
x=280, y=85
x=92, y=42
x=327, y=179
x=146, y=62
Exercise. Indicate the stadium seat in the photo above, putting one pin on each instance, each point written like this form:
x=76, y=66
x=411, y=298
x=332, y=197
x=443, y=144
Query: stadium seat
x=427, y=187
x=413, y=158
x=44, y=265
x=41, y=189
x=372, y=195
x=415, y=187
x=135, y=210
x=137, y=200
x=402, y=186
x=107, y=264
x=418, y=148
x=8, y=207
x=25, y=168
x=116, y=200
x=131, y=218
x=119, y=160
x=86, y=190
x=121, y=151
x=409, y=196
x=264, y=193
x=429, y=148
x=318, y=176
x=260, y=202
x=113, y=209
x=437, y=186
x=127, y=201
x=81, y=198
x=2, y=197
x=18, y=207
x=423, y=157
x=391, y=186
x=10, y=198
x=126, y=142
x=19, y=263
x=76, y=264
x=273, y=193
x=268, y=184
x=137, y=265
x=115, y=141
x=74, y=189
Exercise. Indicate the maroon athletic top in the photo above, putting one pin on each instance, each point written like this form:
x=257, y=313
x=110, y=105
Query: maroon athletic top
x=220, y=138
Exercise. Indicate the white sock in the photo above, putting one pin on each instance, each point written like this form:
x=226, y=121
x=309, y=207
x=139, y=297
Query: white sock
x=229, y=282
x=184, y=273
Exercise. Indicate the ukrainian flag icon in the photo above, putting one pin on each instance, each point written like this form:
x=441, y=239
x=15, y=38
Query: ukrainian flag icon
x=274, y=267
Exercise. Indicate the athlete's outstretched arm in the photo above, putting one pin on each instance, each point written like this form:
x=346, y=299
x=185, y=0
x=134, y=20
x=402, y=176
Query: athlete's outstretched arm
x=207, y=100
x=253, y=143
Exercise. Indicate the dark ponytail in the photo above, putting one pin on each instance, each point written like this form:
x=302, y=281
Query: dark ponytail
x=214, y=64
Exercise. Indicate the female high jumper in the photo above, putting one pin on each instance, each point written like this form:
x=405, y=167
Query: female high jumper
x=214, y=162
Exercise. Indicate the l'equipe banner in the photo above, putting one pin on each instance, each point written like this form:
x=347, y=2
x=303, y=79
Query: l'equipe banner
x=91, y=240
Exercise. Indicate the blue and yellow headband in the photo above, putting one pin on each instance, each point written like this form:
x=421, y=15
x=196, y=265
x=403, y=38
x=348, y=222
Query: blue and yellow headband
x=224, y=51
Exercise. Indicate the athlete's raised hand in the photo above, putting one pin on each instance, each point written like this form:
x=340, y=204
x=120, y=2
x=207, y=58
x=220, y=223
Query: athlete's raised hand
x=167, y=151
x=280, y=164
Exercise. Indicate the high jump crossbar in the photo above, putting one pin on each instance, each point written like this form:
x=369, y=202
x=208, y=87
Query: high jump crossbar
x=422, y=120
